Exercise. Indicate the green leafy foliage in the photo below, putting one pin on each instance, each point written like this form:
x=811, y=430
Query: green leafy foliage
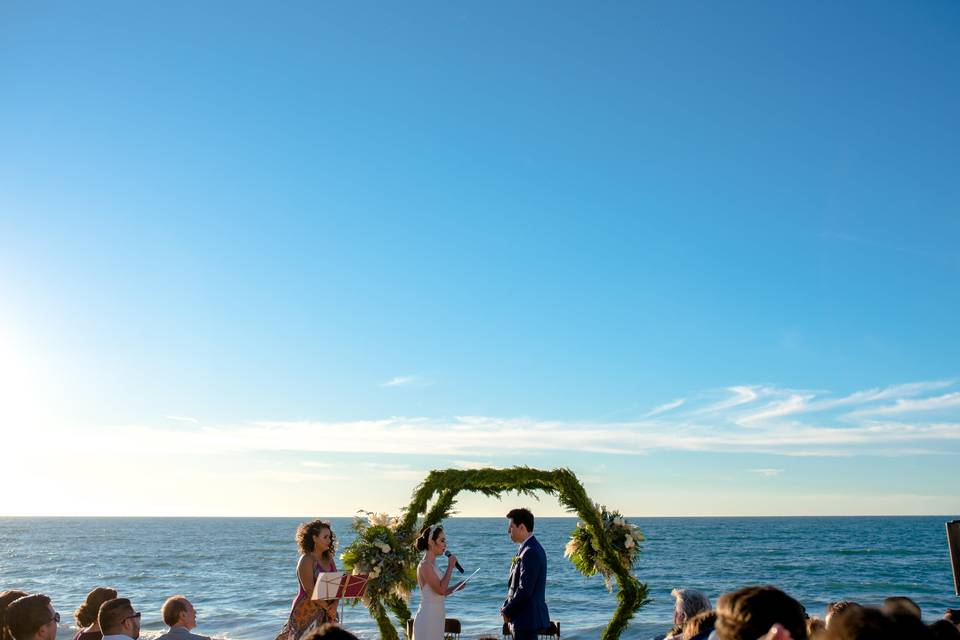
x=384, y=545
x=586, y=554
x=387, y=555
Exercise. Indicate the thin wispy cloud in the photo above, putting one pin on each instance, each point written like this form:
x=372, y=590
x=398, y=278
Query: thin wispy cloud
x=904, y=405
x=766, y=473
x=405, y=381
x=392, y=471
x=288, y=477
x=741, y=395
x=182, y=419
x=809, y=402
x=663, y=408
x=473, y=464
x=793, y=404
x=753, y=419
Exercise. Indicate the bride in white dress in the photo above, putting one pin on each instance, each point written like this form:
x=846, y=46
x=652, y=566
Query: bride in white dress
x=434, y=585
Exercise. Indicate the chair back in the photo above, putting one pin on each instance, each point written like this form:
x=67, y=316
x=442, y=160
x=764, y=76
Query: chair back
x=553, y=631
x=451, y=626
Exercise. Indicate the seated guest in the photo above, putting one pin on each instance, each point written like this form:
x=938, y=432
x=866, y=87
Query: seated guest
x=910, y=626
x=118, y=620
x=6, y=598
x=753, y=612
x=86, y=614
x=816, y=628
x=837, y=607
x=945, y=630
x=700, y=626
x=181, y=617
x=687, y=603
x=867, y=623
x=32, y=618
x=901, y=605
x=953, y=616
x=330, y=631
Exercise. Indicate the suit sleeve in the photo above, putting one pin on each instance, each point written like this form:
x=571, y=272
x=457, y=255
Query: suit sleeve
x=528, y=572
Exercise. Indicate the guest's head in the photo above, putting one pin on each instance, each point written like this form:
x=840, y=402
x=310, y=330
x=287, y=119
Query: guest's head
x=901, y=605
x=178, y=612
x=867, y=623
x=432, y=539
x=749, y=613
x=330, y=632
x=856, y=622
x=836, y=608
x=700, y=625
x=86, y=613
x=32, y=618
x=519, y=524
x=816, y=628
x=117, y=617
x=945, y=630
x=6, y=598
x=317, y=537
x=688, y=603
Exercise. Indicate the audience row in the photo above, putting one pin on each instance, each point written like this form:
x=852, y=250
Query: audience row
x=751, y=613
x=104, y=616
x=101, y=616
x=767, y=613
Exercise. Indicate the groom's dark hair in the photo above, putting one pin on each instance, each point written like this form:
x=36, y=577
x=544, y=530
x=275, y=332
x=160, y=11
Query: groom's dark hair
x=521, y=517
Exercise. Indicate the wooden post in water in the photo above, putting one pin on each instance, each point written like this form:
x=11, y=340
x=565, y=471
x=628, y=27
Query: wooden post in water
x=953, y=541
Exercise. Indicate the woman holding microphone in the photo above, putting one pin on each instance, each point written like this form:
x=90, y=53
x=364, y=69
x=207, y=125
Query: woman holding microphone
x=434, y=585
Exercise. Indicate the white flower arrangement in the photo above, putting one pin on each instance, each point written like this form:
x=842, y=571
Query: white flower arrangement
x=379, y=552
x=583, y=551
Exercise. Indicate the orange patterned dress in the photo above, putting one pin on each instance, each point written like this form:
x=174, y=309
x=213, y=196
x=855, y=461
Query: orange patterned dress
x=307, y=615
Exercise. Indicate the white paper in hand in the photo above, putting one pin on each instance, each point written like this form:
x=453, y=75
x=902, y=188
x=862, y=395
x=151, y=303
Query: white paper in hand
x=464, y=583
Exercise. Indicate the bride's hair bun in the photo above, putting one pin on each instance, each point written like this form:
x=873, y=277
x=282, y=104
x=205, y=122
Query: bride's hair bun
x=426, y=534
x=424, y=537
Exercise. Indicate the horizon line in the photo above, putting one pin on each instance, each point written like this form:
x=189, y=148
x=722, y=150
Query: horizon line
x=464, y=517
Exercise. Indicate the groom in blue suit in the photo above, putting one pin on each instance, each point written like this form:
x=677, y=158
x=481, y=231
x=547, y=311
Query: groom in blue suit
x=525, y=607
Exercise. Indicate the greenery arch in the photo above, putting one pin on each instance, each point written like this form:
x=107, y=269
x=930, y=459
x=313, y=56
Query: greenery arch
x=384, y=545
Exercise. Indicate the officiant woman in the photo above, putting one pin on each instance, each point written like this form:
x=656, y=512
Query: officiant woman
x=317, y=544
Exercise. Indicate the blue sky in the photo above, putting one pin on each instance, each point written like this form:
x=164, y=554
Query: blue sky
x=703, y=254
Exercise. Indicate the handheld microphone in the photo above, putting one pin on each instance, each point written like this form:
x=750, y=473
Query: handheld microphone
x=459, y=568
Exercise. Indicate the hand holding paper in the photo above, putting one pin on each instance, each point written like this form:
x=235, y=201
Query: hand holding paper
x=463, y=584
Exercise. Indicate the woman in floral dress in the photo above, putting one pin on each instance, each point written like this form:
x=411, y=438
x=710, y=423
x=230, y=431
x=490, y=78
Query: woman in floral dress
x=317, y=544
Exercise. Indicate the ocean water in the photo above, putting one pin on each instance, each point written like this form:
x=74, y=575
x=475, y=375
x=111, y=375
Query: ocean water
x=240, y=572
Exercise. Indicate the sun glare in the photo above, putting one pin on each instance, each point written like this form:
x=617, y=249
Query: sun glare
x=20, y=383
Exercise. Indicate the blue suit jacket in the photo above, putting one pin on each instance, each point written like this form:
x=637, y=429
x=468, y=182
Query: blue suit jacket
x=526, y=604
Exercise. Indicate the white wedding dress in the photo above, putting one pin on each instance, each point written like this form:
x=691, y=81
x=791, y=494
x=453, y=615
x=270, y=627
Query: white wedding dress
x=431, y=615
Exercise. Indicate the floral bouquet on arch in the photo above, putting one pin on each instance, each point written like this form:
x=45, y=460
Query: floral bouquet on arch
x=585, y=555
x=384, y=553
